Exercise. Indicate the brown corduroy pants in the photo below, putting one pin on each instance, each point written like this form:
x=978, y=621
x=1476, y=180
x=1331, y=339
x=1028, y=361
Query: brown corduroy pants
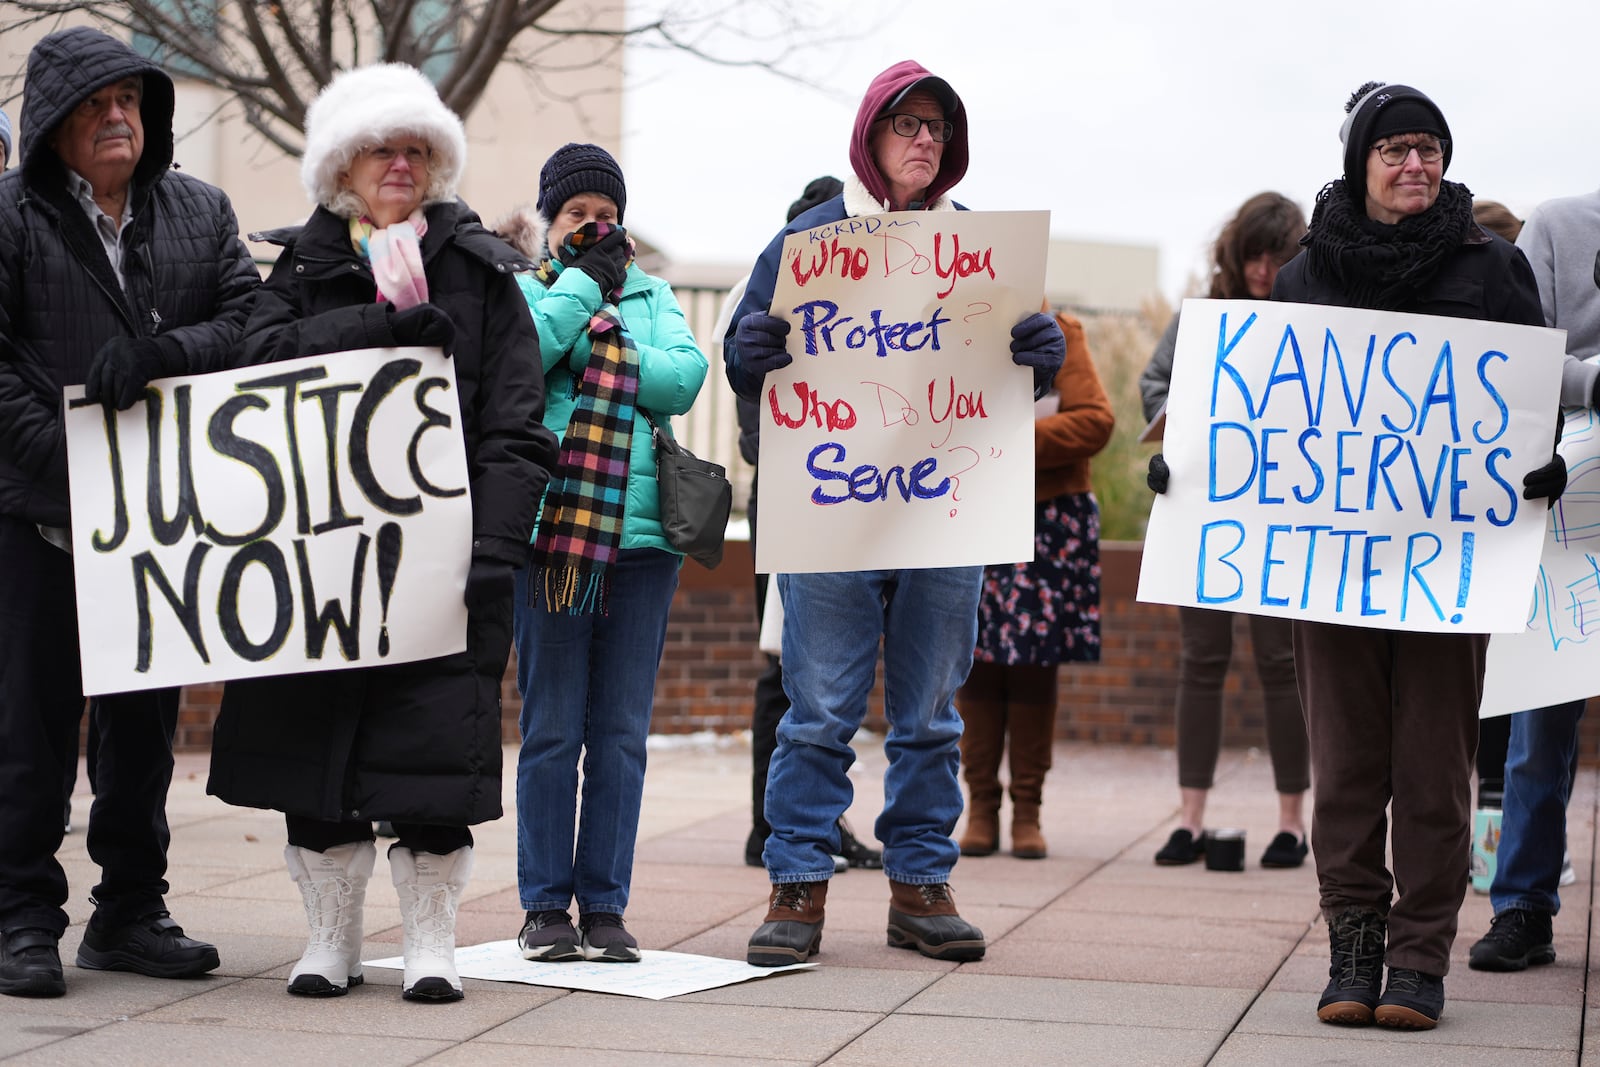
x=1392, y=718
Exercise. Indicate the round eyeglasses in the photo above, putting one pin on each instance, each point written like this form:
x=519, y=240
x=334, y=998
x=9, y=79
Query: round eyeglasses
x=908, y=125
x=1395, y=153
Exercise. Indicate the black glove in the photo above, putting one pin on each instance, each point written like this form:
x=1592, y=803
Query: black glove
x=488, y=583
x=606, y=261
x=122, y=368
x=1159, y=474
x=760, y=338
x=1037, y=342
x=1547, y=482
x=426, y=326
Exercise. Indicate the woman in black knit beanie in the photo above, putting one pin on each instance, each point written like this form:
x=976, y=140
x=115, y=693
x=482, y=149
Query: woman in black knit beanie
x=1392, y=715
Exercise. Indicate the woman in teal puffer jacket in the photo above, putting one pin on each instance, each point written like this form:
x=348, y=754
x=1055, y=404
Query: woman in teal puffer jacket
x=591, y=608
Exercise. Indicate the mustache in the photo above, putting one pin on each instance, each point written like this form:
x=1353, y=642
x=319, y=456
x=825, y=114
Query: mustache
x=121, y=129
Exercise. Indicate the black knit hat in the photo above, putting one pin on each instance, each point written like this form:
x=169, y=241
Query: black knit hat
x=1376, y=111
x=579, y=168
x=818, y=191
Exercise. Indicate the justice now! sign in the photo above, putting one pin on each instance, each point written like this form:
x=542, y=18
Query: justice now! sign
x=1353, y=466
x=298, y=516
x=902, y=433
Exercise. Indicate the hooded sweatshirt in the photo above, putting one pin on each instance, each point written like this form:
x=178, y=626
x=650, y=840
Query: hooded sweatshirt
x=865, y=194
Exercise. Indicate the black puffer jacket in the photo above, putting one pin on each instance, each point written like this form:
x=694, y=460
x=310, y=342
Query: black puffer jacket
x=188, y=280
x=411, y=742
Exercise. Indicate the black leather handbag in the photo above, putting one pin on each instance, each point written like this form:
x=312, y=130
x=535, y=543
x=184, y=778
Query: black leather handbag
x=696, y=499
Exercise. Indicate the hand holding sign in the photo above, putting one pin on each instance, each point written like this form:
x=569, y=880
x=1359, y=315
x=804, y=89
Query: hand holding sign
x=761, y=338
x=122, y=368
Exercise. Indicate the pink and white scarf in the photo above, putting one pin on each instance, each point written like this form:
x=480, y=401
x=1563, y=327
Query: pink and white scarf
x=395, y=253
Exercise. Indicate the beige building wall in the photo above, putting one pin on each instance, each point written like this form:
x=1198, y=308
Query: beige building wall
x=1101, y=276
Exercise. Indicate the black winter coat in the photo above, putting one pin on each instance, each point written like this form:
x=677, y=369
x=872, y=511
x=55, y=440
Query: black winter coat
x=1487, y=279
x=411, y=742
x=188, y=280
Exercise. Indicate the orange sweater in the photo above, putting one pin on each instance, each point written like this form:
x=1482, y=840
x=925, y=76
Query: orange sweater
x=1081, y=426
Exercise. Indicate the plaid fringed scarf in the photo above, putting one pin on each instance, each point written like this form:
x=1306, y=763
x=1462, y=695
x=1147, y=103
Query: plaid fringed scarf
x=580, y=527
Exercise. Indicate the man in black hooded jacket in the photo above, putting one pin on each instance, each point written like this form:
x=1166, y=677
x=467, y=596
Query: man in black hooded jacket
x=113, y=270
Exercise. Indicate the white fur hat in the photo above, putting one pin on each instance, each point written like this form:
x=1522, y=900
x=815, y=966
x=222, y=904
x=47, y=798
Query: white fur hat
x=369, y=105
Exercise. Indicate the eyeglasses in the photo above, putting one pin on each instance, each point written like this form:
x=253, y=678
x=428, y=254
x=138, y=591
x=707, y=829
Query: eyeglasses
x=907, y=125
x=416, y=158
x=1394, y=153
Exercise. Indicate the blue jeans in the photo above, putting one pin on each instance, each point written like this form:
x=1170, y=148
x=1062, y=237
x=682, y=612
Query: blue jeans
x=928, y=620
x=1533, y=823
x=588, y=683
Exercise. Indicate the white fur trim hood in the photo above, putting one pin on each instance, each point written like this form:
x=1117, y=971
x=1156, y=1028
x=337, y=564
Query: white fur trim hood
x=369, y=105
x=859, y=201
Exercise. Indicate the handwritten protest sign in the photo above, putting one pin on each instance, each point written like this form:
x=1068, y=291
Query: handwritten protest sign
x=1353, y=466
x=902, y=434
x=298, y=516
x=1557, y=658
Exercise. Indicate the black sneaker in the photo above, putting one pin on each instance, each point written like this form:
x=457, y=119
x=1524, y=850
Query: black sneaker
x=1285, y=851
x=30, y=964
x=1355, y=967
x=606, y=940
x=854, y=852
x=1412, y=1001
x=1181, y=848
x=152, y=945
x=1517, y=939
x=548, y=936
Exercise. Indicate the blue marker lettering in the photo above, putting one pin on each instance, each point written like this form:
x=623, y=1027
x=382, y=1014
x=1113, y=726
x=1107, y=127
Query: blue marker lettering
x=1225, y=348
x=1369, y=572
x=1268, y=562
x=1494, y=394
x=1411, y=407
x=1413, y=573
x=1511, y=494
x=1200, y=578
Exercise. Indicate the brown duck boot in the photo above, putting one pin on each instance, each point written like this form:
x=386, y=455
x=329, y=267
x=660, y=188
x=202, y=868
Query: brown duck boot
x=924, y=917
x=983, y=737
x=1032, y=728
x=792, y=931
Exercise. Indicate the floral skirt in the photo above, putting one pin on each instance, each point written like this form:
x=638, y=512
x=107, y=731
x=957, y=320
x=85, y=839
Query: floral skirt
x=1047, y=611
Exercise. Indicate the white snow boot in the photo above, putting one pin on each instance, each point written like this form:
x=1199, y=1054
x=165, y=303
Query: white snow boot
x=429, y=888
x=334, y=887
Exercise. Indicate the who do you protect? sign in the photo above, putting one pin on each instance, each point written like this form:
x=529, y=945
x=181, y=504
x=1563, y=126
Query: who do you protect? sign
x=298, y=516
x=902, y=433
x=1353, y=466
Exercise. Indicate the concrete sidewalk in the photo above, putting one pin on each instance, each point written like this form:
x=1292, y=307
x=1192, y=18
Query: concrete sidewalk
x=1095, y=954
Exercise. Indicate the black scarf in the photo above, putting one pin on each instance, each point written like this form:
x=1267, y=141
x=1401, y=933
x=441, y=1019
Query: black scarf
x=1378, y=265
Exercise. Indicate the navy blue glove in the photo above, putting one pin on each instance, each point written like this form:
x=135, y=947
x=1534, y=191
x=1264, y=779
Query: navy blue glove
x=1547, y=482
x=1159, y=474
x=488, y=583
x=122, y=368
x=760, y=340
x=1037, y=342
x=425, y=326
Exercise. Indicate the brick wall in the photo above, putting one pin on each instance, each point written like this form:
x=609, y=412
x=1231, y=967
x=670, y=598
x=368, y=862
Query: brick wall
x=709, y=669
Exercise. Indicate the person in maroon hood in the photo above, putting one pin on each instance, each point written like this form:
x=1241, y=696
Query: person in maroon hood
x=907, y=150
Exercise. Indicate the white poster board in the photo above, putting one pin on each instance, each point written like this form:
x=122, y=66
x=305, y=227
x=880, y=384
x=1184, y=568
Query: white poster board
x=1557, y=659
x=298, y=516
x=902, y=433
x=1352, y=466
x=657, y=975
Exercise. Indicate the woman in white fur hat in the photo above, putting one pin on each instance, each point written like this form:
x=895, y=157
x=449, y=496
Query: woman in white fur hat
x=390, y=257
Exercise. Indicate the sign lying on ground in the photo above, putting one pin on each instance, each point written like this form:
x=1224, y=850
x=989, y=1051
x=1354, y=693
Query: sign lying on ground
x=902, y=433
x=1353, y=466
x=298, y=516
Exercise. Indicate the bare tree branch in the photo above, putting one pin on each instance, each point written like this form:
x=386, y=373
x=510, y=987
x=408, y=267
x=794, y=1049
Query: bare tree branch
x=272, y=57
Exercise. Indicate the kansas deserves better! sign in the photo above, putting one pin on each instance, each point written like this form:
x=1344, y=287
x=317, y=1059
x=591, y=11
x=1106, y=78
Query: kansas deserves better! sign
x=1351, y=466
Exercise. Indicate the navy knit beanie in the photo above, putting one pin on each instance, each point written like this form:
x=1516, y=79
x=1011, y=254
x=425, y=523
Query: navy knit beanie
x=579, y=168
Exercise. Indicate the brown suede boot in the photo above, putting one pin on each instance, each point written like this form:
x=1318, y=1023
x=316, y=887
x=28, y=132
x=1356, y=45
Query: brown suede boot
x=983, y=737
x=792, y=932
x=1032, y=728
x=924, y=917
